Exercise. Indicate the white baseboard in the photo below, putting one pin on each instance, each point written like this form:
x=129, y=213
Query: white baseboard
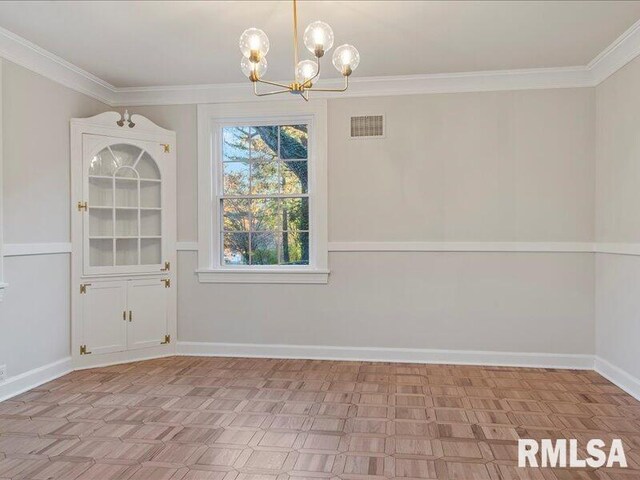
x=26, y=381
x=399, y=355
x=618, y=376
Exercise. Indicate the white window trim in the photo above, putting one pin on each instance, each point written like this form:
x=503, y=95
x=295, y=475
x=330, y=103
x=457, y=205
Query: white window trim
x=210, y=119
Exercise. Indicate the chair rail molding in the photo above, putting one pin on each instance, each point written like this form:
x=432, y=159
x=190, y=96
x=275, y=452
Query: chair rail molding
x=35, y=58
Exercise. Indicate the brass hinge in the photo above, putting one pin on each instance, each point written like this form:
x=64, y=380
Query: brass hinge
x=84, y=351
x=167, y=267
x=83, y=287
x=167, y=339
x=82, y=206
x=167, y=282
x=166, y=148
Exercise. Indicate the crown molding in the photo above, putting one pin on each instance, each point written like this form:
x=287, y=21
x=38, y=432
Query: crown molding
x=32, y=57
x=538, y=78
x=624, y=49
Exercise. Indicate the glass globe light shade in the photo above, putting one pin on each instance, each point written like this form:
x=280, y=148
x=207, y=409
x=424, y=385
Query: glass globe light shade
x=318, y=38
x=254, y=44
x=346, y=59
x=251, y=69
x=306, y=70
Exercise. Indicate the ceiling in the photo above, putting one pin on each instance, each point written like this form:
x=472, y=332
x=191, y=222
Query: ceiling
x=133, y=44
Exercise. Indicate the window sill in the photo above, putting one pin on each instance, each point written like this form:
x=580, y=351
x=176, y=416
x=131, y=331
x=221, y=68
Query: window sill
x=311, y=276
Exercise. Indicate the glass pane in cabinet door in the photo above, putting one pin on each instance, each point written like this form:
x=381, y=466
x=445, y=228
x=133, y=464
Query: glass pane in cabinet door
x=126, y=222
x=100, y=222
x=126, y=155
x=150, y=194
x=100, y=192
x=101, y=252
x=147, y=167
x=126, y=193
x=103, y=164
x=126, y=172
x=150, y=251
x=150, y=224
x=127, y=251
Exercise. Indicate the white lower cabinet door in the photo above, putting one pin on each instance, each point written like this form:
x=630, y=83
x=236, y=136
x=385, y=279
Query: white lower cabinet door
x=147, y=303
x=103, y=327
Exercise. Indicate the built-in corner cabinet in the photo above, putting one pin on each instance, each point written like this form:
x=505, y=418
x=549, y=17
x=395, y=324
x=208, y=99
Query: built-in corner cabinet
x=124, y=239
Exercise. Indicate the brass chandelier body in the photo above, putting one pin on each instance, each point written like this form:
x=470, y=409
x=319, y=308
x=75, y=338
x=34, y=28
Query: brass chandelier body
x=318, y=38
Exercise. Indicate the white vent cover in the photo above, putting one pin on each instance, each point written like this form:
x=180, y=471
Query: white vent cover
x=367, y=126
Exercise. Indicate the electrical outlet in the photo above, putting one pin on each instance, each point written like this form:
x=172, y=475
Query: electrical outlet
x=3, y=373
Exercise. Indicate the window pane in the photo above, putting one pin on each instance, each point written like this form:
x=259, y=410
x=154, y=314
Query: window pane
x=295, y=248
x=264, y=178
x=293, y=177
x=264, y=248
x=235, y=213
x=293, y=141
x=264, y=143
x=295, y=212
x=236, y=249
x=236, y=178
x=235, y=144
x=266, y=214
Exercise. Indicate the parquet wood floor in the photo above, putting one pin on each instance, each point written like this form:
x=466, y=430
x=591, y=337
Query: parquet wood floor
x=192, y=418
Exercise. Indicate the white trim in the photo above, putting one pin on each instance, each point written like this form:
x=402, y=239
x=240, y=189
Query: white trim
x=615, y=56
x=567, y=247
x=211, y=118
x=32, y=57
x=26, y=381
x=551, y=247
x=623, y=49
x=20, y=249
x=618, y=248
x=128, y=356
x=399, y=355
x=618, y=376
x=525, y=79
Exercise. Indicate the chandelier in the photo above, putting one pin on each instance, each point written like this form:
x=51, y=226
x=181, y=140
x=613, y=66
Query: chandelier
x=318, y=38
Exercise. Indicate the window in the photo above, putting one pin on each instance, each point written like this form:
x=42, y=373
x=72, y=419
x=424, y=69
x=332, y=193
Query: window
x=262, y=193
x=265, y=195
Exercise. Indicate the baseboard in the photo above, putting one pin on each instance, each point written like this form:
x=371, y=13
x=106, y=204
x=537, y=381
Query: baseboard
x=26, y=381
x=618, y=376
x=399, y=355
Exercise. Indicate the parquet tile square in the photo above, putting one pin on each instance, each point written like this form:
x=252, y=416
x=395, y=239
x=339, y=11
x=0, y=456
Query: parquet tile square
x=191, y=418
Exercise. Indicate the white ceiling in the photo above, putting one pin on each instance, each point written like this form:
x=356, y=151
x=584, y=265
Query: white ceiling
x=131, y=44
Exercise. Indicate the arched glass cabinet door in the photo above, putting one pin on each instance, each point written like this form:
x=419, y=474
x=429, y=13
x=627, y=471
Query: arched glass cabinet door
x=123, y=227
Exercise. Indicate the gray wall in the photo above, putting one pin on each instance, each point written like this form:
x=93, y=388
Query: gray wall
x=618, y=218
x=500, y=166
x=35, y=313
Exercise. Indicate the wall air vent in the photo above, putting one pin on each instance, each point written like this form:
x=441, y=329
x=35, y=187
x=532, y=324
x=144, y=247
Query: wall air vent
x=367, y=126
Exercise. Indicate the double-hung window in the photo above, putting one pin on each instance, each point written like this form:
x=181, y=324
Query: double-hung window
x=262, y=193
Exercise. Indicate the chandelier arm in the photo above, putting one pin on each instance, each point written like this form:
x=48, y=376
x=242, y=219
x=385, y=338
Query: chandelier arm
x=264, y=94
x=275, y=84
x=346, y=85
